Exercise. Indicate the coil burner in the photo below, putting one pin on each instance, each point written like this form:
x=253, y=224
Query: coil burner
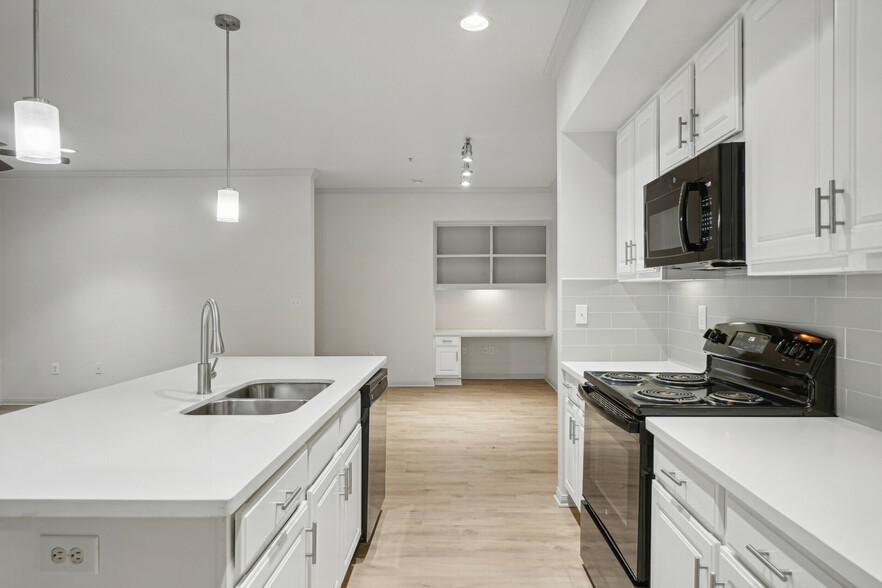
x=735, y=397
x=681, y=379
x=669, y=396
x=622, y=377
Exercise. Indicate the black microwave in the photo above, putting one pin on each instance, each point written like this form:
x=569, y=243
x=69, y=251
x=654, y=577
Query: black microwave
x=694, y=214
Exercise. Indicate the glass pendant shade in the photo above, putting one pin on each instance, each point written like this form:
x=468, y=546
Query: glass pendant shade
x=227, y=205
x=37, y=134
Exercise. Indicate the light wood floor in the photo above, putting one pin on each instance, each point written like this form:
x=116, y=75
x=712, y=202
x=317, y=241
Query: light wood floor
x=469, y=499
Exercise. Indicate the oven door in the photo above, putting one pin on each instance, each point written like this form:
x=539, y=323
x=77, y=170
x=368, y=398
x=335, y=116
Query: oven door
x=616, y=483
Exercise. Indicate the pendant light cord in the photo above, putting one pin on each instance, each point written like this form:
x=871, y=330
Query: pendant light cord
x=228, y=107
x=36, y=49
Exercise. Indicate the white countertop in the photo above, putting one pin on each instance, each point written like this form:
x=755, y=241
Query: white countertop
x=577, y=368
x=494, y=333
x=126, y=450
x=818, y=481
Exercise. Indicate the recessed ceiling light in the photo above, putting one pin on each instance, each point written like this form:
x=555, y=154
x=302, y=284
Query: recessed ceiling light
x=474, y=23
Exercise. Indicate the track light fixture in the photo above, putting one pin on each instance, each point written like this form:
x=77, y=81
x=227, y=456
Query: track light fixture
x=466, y=176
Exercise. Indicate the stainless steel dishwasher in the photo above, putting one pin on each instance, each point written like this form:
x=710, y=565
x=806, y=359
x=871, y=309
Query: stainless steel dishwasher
x=373, y=455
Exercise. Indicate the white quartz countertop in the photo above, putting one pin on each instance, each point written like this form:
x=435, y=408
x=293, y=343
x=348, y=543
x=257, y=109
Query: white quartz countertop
x=577, y=368
x=816, y=480
x=126, y=450
x=494, y=333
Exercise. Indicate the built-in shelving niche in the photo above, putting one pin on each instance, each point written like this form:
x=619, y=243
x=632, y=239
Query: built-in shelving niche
x=499, y=255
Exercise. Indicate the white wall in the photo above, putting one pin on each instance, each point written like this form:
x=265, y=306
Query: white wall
x=115, y=269
x=374, y=269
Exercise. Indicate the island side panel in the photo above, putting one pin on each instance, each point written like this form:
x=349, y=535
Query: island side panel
x=132, y=552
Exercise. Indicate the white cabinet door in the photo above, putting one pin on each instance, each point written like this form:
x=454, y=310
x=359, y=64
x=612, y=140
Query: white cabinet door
x=284, y=562
x=683, y=552
x=573, y=453
x=788, y=87
x=731, y=574
x=448, y=362
x=625, y=198
x=858, y=122
x=293, y=570
x=324, y=499
x=674, y=128
x=645, y=170
x=718, y=89
x=351, y=514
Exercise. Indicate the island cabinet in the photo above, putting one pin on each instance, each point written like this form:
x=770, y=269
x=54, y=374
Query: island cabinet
x=705, y=536
x=812, y=81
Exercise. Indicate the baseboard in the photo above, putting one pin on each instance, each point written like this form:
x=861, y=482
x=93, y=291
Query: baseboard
x=547, y=381
x=411, y=384
x=448, y=382
x=562, y=499
x=486, y=376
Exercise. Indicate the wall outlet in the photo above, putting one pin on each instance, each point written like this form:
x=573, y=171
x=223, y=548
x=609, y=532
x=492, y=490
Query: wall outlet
x=69, y=554
x=55, y=368
x=485, y=350
x=296, y=302
x=492, y=351
x=581, y=314
x=702, y=317
x=99, y=368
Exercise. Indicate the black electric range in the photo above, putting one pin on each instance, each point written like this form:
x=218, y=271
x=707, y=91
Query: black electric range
x=752, y=370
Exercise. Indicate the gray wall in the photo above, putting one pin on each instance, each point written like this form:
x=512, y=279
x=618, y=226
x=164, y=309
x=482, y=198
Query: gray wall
x=114, y=268
x=374, y=272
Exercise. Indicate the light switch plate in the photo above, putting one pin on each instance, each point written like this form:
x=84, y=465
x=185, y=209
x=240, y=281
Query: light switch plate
x=702, y=317
x=581, y=314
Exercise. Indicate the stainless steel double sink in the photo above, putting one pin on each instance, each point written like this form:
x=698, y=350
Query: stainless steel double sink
x=262, y=398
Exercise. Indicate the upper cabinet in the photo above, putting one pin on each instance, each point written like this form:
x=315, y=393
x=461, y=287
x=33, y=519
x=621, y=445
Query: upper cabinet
x=701, y=105
x=812, y=81
x=636, y=165
x=504, y=255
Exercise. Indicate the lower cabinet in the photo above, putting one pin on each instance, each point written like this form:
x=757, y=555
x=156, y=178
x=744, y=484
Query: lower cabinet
x=732, y=574
x=448, y=358
x=573, y=452
x=335, y=510
x=284, y=562
x=683, y=552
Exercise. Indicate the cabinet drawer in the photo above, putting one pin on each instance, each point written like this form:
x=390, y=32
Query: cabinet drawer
x=272, y=505
x=322, y=448
x=768, y=555
x=350, y=416
x=449, y=341
x=571, y=385
x=695, y=490
x=279, y=556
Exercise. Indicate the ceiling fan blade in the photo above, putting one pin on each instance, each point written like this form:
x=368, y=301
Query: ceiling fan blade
x=4, y=166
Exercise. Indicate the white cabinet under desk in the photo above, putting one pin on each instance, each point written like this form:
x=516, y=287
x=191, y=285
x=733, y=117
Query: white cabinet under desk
x=449, y=344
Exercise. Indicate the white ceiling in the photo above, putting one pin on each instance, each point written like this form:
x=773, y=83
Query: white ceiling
x=352, y=88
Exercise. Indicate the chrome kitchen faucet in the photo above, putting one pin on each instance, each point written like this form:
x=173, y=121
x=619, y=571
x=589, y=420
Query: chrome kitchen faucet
x=205, y=371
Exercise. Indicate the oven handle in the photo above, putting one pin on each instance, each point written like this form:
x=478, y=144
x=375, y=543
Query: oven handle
x=611, y=413
x=685, y=189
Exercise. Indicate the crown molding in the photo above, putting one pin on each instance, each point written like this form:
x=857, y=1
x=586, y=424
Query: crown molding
x=430, y=191
x=162, y=173
x=569, y=29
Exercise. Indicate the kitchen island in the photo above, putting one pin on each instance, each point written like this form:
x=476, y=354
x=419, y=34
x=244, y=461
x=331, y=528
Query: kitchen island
x=164, y=491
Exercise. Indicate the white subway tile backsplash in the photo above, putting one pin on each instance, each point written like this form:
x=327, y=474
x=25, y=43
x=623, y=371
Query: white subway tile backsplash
x=814, y=286
x=637, y=353
x=864, y=286
x=863, y=408
x=611, y=337
x=859, y=375
x=571, y=337
x=863, y=345
x=585, y=287
x=568, y=303
x=636, y=320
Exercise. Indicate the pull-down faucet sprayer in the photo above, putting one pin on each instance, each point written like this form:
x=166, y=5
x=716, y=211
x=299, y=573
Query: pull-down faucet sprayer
x=211, y=331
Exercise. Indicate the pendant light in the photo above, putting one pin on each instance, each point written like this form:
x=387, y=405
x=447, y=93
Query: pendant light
x=227, y=198
x=37, y=132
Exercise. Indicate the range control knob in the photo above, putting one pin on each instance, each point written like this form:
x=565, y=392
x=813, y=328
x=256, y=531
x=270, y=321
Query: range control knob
x=708, y=333
x=804, y=354
x=722, y=338
x=715, y=335
x=781, y=346
x=793, y=351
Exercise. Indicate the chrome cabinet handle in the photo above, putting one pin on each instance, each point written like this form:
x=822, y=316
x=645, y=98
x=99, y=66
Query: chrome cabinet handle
x=349, y=480
x=290, y=496
x=680, y=124
x=763, y=556
x=673, y=477
x=566, y=385
x=570, y=436
x=314, y=533
x=627, y=250
x=633, y=252
x=831, y=198
x=692, y=116
x=575, y=433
